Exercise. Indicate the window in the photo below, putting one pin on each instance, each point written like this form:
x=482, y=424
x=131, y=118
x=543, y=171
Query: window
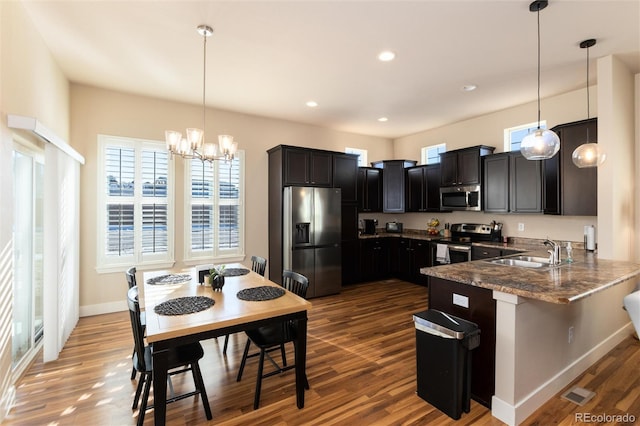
x=431, y=154
x=362, y=153
x=135, y=203
x=214, y=212
x=514, y=135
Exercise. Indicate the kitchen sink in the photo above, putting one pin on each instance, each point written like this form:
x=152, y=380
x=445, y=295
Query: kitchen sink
x=544, y=260
x=521, y=263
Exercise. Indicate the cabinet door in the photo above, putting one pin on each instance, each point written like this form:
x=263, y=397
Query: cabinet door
x=449, y=169
x=393, y=187
x=345, y=176
x=321, y=169
x=485, y=252
x=496, y=183
x=350, y=262
x=374, y=260
x=579, y=187
x=469, y=167
x=421, y=258
x=349, y=221
x=526, y=184
x=369, y=189
x=415, y=189
x=296, y=167
x=404, y=259
x=432, y=181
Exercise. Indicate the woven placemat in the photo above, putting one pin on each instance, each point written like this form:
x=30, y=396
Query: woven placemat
x=169, y=279
x=184, y=305
x=256, y=294
x=234, y=272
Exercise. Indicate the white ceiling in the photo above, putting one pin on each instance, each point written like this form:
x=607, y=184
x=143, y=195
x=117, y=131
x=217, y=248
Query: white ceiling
x=270, y=57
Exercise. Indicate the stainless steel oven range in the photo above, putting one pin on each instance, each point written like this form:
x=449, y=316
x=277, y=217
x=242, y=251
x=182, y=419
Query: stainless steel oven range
x=458, y=248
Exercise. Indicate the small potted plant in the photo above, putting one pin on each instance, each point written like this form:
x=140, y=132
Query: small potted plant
x=217, y=277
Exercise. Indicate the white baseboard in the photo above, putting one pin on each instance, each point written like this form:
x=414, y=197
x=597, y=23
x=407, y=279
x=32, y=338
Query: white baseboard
x=513, y=415
x=103, y=308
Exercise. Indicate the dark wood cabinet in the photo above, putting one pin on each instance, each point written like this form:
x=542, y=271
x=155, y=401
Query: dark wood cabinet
x=345, y=176
x=350, y=262
x=481, y=309
x=307, y=167
x=393, y=184
x=478, y=252
x=512, y=184
x=463, y=166
x=407, y=256
x=374, y=259
x=567, y=189
x=369, y=189
x=423, y=188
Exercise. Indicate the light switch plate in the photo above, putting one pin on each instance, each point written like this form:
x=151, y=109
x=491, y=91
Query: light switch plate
x=460, y=300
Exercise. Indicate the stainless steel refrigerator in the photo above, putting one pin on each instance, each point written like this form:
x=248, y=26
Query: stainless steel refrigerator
x=311, y=233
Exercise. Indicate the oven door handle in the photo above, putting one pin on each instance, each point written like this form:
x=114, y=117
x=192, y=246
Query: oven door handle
x=459, y=248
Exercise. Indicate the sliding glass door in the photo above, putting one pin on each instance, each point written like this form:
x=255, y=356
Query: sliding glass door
x=28, y=222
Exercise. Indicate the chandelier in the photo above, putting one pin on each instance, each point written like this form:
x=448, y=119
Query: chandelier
x=193, y=144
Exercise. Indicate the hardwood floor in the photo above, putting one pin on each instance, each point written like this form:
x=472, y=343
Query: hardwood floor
x=360, y=365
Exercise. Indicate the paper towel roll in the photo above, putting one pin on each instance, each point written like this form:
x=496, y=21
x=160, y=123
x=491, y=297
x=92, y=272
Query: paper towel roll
x=590, y=237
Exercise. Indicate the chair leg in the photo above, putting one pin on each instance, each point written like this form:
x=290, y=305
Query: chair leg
x=145, y=398
x=256, y=399
x=284, y=355
x=244, y=360
x=136, y=398
x=197, y=379
x=226, y=343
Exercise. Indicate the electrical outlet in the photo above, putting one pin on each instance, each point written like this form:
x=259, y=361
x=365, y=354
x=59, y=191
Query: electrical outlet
x=520, y=227
x=570, y=337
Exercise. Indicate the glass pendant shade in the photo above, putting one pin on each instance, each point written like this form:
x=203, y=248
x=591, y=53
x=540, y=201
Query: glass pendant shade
x=588, y=155
x=541, y=144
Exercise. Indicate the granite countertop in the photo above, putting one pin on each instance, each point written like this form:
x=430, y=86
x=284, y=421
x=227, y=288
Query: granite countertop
x=562, y=284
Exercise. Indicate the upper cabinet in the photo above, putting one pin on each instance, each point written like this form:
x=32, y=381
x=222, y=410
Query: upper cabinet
x=423, y=188
x=463, y=166
x=567, y=189
x=512, y=184
x=307, y=167
x=369, y=189
x=345, y=176
x=393, y=184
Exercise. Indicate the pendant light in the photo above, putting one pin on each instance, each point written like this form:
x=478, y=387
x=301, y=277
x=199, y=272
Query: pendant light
x=589, y=154
x=193, y=145
x=540, y=144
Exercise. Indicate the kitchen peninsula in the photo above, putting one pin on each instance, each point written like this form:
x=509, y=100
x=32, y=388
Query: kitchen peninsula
x=551, y=323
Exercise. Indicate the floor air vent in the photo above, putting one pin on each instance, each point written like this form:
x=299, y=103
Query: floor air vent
x=578, y=395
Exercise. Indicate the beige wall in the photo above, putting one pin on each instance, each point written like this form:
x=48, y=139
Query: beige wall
x=30, y=84
x=97, y=111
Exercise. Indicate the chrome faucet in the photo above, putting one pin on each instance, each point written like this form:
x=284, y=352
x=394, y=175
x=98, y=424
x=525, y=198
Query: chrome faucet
x=554, y=253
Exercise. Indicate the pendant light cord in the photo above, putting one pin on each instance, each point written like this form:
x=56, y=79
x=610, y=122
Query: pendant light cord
x=538, y=68
x=588, y=103
x=204, y=86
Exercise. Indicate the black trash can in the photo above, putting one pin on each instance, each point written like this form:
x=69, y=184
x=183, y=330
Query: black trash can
x=443, y=357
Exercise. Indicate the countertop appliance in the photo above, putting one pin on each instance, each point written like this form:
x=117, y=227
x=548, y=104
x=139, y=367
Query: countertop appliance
x=457, y=248
x=369, y=226
x=312, y=222
x=394, y=227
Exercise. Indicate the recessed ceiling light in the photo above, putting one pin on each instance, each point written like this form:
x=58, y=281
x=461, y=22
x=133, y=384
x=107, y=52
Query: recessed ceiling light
x=312, y=104
x=386, y=56
x=383, y=119
x=468, y=87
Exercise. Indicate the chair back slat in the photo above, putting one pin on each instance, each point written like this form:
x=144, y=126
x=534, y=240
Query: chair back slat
x=258, y=264
x=295, y=282
x=136, y=327
x=131, y=276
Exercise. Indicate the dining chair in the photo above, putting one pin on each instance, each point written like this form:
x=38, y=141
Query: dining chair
x=181, y=360
x=258, y=265
x=130, y=274
x=273, y=337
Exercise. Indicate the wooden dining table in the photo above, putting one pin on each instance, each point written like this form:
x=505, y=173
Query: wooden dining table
x=228, y=315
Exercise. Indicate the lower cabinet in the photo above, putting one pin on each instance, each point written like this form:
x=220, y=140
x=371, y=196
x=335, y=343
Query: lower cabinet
x=374, y=259
x=480, y=309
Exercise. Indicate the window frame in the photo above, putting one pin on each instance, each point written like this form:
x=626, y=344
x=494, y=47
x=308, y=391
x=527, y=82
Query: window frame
x=507, y=144
x=106, y=263
x=215, y=255
x=424, y=153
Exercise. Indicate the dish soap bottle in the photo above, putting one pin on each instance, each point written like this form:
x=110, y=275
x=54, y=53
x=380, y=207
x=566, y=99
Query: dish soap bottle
x=569, y=252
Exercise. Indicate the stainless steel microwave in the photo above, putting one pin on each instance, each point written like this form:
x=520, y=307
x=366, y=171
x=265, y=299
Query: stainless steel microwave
x=460, y=198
